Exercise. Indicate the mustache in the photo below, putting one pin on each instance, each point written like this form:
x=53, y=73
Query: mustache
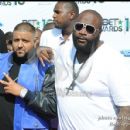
x=81, y=37
x=18, y=48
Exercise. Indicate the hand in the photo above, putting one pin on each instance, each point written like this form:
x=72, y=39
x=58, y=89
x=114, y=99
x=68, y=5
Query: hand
x=44, y=54
x=10, y=86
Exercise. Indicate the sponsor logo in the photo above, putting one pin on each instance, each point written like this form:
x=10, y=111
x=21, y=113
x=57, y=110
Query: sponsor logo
x=109, y=24
x=126, y=53
x=38, y=23
x=116, y=25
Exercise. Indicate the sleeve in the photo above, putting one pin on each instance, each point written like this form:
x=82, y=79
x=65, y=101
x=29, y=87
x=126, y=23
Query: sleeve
x=44, y=103
x=119, y=83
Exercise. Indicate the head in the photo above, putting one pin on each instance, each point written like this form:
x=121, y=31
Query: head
x=23, y=39
x=38, y=33
x=87, y=30
x=49, y=26
x=8, y=39
x=65, y=13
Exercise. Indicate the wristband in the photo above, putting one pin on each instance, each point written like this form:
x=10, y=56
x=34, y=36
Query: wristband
x=23, y=92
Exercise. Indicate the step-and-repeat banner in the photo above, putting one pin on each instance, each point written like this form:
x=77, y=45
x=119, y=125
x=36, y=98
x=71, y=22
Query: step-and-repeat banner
x=116, y=15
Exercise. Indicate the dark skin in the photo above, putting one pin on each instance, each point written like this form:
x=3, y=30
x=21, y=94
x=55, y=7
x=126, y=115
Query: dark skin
x=82, y=41
x=64, y=18
x=123, y=118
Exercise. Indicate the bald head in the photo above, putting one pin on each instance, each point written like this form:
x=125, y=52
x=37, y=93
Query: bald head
x=71, y=6
x=91, y=16
x=25, y=27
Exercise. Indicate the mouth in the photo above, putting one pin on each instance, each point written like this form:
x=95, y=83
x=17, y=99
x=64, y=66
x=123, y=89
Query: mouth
x=19, y=51
x=81, y=40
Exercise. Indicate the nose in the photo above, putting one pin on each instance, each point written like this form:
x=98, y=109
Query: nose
x=20, y=44
x=54, y=15
x=83, y=31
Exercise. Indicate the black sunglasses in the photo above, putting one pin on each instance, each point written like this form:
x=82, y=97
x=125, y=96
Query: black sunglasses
x=89, y=28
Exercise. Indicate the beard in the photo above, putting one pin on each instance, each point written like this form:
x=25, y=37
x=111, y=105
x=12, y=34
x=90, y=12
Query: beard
x=87, y=48
x=29, y=56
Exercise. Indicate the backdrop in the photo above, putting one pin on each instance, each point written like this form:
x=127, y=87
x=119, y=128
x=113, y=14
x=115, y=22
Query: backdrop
x=116, y=27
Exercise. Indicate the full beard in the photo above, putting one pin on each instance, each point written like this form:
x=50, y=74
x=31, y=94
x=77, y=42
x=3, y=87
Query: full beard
x=27, y=57
x=88, y=48
x=19, y=60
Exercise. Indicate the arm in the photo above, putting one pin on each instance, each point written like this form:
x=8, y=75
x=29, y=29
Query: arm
x=44, y=54
x=123, y=119
x=43, y=103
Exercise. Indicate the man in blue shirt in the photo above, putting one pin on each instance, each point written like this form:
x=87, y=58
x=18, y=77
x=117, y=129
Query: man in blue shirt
x=22, y=66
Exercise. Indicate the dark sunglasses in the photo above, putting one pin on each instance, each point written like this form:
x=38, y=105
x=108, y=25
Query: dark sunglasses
x=89, y=28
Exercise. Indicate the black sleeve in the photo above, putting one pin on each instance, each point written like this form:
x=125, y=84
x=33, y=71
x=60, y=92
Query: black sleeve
x=44, y=103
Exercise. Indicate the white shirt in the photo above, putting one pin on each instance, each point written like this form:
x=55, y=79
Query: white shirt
x=51, y=38
x=102, y=84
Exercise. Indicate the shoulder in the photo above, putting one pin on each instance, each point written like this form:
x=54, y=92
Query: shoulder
x=52, y=32
x=109, y=51
x=109, y=56
x=4, y=55
x=50, y=36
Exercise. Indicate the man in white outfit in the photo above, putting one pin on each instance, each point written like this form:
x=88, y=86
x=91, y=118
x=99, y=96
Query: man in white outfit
x=92, y=81
x=64, y=16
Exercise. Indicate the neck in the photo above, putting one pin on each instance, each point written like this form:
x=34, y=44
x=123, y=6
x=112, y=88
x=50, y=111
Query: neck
x=19, y=60
x=81, y=57
x=67, y=31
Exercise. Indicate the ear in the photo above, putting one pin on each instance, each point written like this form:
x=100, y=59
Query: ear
x=34, y=44
x=72, y=15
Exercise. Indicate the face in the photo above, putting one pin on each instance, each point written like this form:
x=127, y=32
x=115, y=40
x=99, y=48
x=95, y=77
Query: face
x=86, y=32
x=23, y=42
x=62, y=16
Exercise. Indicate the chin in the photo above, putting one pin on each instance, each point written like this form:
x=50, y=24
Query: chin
x=82, y=44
